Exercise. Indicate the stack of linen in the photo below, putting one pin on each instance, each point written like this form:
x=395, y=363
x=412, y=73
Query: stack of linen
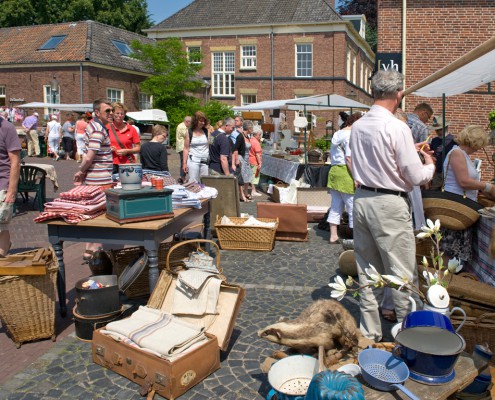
x=184, y=198
x=78, y=204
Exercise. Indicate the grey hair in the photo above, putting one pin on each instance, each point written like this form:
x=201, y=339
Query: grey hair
x=385, y=84
x=247, y=125
x=228, y=121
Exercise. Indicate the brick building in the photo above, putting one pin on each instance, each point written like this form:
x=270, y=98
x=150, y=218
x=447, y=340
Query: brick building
x=89, y=60
x=427, y=36
x=259, y=50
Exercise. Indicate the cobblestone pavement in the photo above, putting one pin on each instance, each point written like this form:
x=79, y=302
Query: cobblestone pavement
x=278, y=283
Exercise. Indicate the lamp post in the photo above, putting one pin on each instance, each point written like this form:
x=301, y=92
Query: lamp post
x=54, y=87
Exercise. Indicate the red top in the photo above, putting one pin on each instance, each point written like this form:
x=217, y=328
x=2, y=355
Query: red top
x=81, y=126
x=128, y=136
x=255, y=149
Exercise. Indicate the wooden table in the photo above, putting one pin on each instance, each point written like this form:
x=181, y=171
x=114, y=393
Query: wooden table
x=102, y=230
x=465, y=372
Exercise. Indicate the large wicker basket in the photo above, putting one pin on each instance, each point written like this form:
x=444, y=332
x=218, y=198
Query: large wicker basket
x=239, y=237
x=477, y=330
x=27, y=303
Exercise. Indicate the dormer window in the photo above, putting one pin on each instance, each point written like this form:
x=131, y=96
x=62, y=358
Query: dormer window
x=53, y=42
x=122, y=47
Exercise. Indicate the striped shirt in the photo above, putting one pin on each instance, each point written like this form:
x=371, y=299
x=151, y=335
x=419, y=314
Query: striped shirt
x=98, y=140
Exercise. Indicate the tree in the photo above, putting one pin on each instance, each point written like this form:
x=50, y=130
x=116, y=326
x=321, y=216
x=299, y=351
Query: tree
x=174, y=80
x=131, y=15
x=369, y=9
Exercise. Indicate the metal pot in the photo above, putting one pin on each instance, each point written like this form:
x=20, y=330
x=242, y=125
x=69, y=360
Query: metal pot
x=85, y=326
x=430, y=353
x=105, y=300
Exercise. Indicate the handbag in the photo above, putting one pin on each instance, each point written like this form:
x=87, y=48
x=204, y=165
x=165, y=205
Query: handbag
x=454, y=211
x=129, y=157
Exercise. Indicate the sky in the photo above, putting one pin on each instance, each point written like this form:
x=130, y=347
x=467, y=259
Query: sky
x=161, y=9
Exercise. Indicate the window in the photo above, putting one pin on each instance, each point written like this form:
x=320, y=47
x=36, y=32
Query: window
x=122, y=47
x=304, y=60
x=50, y=97
x=115, y=95
x=248, y=57
x=223, y=73
x=248, y=99
x=145, y=101
x=52, y=43
x=348, y=64
x=194, y=54
x=3, y=100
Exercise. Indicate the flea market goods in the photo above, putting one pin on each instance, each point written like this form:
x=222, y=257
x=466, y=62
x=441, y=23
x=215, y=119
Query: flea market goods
x=131, y=176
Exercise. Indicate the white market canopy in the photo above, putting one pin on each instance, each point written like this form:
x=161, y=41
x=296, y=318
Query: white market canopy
x=468, y=72
x=149, y=116
x=65, y=107
x=319, y=102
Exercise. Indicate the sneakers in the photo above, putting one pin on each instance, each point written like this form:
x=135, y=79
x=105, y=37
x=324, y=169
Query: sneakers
x=348, y=244
x=57, y=158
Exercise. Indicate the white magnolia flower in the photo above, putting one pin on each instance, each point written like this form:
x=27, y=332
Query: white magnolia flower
x=339, y=288
x=394, y=280
x=423, y=235
x=349, y=281
x=425, y=262
x=373, y=274
x=454, y=265
x=429, y=277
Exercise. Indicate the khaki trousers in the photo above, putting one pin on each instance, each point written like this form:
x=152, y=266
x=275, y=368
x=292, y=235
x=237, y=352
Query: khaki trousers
x=33, y=143
x=383, y=238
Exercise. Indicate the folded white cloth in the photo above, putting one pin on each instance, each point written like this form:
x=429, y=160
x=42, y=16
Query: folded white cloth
x=251, y=221
x=194, y=278
x=204, y=301
x=155, y=330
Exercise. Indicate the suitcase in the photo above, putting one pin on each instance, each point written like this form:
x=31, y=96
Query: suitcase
x=318, y=201
x=171, y=379
x=292, y=220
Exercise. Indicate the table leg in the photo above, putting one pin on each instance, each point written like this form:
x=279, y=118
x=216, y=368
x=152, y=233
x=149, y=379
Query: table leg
x=59, y=252
x=154, y=272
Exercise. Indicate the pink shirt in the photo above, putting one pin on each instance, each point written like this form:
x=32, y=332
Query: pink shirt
x=383, y=153
x=81, y=127
x=255, y=149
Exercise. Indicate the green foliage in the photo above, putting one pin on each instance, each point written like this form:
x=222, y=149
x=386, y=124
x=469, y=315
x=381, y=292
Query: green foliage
x=322, y=144
x=491, y=118
x=131, y=15
x=216, y=111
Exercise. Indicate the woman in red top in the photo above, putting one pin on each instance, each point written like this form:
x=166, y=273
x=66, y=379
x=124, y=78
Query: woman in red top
x=124, y=139
x=255, y=155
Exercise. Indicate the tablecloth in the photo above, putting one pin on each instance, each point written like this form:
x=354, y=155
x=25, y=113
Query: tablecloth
x=51, y=173
x=482, y=265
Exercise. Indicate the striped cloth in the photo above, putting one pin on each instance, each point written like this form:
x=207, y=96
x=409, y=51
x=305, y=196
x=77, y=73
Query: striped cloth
x=70, y=217
x=82, y=192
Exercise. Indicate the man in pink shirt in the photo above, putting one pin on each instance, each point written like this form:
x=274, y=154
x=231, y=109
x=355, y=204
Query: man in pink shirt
x=386, y=166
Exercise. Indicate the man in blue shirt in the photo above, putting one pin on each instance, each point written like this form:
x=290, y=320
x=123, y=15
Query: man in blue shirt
x=30, y=125
x=417, y=121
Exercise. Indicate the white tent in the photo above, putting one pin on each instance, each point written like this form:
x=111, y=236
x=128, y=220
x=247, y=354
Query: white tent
x=311, y=103
x=65, y=107
x=468, y=72
x=149, y=116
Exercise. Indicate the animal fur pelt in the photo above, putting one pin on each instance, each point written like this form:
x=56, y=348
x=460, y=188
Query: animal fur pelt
x=324, y=323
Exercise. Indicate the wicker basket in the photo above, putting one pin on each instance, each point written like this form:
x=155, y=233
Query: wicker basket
x=238, y=237
x=27, y=303
x=477, y=330
x=121, y=258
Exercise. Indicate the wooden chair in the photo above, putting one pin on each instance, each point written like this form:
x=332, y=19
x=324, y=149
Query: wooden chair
x=32, y=179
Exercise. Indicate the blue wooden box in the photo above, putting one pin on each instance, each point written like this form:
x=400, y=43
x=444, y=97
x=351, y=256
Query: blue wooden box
x=138, y=205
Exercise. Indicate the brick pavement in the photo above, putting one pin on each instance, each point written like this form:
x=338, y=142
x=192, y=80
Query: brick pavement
x=278, y=283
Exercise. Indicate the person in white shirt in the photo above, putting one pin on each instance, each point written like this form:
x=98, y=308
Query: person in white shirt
x=386, y=166
x=53, y=136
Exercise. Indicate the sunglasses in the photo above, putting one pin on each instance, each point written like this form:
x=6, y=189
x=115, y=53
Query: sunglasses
x=108, y=111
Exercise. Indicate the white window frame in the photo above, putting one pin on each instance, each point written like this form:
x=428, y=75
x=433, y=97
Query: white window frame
x=301, y=49
x=348, y=64
x=145, y=100
x=115, y=95
x=189, y=52
x=48, y=98
x=247, y=99
x=248, y=57
x=223, y=73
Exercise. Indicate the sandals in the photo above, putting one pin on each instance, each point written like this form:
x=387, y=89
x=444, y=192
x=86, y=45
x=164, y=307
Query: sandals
x=246, y=200
x=248, y=196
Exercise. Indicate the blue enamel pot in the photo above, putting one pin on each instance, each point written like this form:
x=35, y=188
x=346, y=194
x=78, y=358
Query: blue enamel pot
x=425, y=319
